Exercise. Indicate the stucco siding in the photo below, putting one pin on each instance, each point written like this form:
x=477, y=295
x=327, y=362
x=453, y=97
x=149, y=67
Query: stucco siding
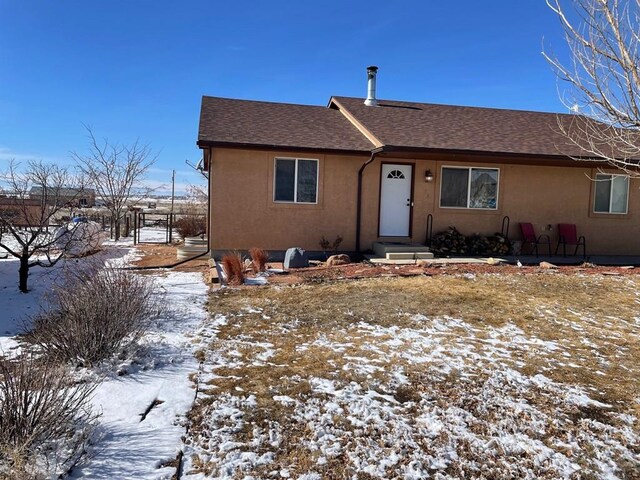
x=244, y=214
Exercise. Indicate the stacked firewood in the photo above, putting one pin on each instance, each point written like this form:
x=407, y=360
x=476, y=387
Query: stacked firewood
x=452, y=242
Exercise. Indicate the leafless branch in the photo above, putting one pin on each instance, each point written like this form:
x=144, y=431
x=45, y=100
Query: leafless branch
x=34, y=195
x=45, y=417
x=604, y=79
x=96, y=313
x=115, y=171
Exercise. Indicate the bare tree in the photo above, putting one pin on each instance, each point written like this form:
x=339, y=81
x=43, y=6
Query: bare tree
x=197, y=193
x=116, y=172
x=603, y=74
x=25, y=217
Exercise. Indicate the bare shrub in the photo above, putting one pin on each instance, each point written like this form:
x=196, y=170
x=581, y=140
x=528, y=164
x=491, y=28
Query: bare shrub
x=336, y=243
x=259, y=259
x=233, y=268
x=191, y=225
x=45, y=419
x=192, y=219
x=95, y=315
x=326, y=245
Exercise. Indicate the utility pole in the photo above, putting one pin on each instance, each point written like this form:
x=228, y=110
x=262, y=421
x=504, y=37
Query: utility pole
x=173, y=191
x=173, y=188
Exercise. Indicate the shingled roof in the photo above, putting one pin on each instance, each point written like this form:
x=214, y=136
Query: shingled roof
x=246, y=123
x=348, y=125
x=62, y=192
x=427, y=126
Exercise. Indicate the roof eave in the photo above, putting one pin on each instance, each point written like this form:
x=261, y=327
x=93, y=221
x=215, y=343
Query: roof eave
x=275, y=147
x=525, y=158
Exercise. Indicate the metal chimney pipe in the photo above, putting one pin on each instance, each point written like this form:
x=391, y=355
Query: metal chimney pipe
x=371, y=86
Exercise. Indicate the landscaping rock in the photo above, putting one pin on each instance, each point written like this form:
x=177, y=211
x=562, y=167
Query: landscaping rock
x=341, y=259
x=547, y=265
x=296, y=258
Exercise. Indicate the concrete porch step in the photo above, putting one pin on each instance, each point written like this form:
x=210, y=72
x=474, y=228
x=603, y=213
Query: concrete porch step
x=408, y=255
x=401, y=251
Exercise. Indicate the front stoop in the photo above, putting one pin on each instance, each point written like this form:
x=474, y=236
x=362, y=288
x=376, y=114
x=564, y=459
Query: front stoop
x=401, y=251
x=409, y=255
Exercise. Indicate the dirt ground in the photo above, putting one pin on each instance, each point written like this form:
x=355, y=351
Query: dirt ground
x=160, y=255
x=165, y=255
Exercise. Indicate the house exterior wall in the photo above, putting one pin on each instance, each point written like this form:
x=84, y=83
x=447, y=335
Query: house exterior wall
x=541, y=195
x=244, y=215
x=86, y=199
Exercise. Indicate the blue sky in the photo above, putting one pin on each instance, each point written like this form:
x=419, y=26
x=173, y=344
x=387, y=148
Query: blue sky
x=137, y=69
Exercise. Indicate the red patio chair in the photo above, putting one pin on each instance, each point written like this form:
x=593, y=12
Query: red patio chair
x=529, y=236
x=568, y=235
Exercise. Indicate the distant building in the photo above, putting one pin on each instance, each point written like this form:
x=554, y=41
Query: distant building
x=72, y=197
x=20, y=212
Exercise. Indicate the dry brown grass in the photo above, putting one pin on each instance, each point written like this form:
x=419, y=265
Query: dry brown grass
x=259, y=259
x=547, y=306
x=313, y=332
x=233, y=268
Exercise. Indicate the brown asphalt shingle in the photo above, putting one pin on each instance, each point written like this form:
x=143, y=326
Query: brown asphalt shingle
x=266, y=124
x=405, y=125
x=432, y=126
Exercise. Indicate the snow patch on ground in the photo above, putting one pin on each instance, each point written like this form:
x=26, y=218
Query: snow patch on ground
x=469, y=412
x=126, y=445
x=131, y=447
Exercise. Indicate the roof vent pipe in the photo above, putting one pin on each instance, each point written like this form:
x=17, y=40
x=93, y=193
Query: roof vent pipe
x=371, y=87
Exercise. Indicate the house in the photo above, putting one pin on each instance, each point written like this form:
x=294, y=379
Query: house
x=20, y=212
x=72, y=197
x=370, y=170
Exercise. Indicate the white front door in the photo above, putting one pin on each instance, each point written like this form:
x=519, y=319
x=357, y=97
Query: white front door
x=395, y=200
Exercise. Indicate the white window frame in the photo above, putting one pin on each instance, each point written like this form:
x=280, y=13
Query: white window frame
x=611, y=177
x=469, y=187
x=295, y=179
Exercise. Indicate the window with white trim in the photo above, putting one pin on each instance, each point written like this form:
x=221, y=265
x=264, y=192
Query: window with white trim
x=469, y=187
x=295, y=180
x=611, y=193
